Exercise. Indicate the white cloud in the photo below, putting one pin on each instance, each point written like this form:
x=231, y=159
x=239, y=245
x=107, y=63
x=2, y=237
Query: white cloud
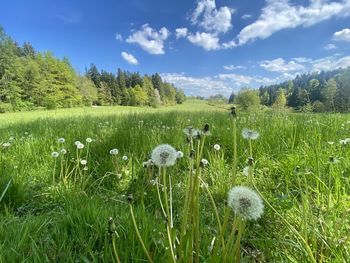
x=246, y=16
x=181, y=32
x=149, y=39
x=204, y=86
x=207, y=16
x=279, y=15
x=237, y=79
x=330, y=63
x=343, y=35
x=302, y=59
x=207, y=41
x=129, y=58
x=279, y=65
x=233, y=67
x=118, y=37
x=330, y=46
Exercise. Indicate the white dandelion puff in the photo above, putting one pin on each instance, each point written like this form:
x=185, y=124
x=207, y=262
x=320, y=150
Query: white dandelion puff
x=61, y=140
x=63, y=151
x=77, y=142
x=180, y=154
x=245, y=202
x=192, y=132
x=148, y=163
x=125, y=158
x=204, y=162
x=85, y=168
x=88, y=140
x=114, y=151
x=6, y=144
x=54, y=154
x=83, y=162
x=250, y=134
x=164, y=155
x=80, y=146
x=343, y=142
x=217, y=147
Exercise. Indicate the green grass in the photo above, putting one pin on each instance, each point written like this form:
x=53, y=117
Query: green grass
x=306, y=196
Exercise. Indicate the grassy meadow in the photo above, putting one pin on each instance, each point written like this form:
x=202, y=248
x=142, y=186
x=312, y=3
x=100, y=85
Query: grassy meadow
x=59, y=208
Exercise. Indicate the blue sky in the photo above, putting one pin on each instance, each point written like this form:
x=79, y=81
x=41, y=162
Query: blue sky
x=205, y=47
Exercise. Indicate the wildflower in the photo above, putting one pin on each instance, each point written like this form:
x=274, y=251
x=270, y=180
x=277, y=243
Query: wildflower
x=164, y=155
x=206, y=130
x=153, y=182
x=217, y=147
x=85, y=168
x=343, y=142
x=113, y=151
x=88, y=140
x=125, y=158
x=334, y=160
x=204, y=162
x=83, y=162
x=54, y=154
x=250, y=134
x=245, y=202
x=180, y=154
x=192, y=132
x=61, y=140
x=63, y=151
x=80, y=146
x=147, y=163
x=77, y=142
x=6, y=144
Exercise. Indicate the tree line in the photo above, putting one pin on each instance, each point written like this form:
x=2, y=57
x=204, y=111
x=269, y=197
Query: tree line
x=313, y=92
x=31, y=79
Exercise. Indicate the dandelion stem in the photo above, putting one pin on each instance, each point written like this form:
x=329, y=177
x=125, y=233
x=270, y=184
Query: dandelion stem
x=138, y=234
x=115, y=250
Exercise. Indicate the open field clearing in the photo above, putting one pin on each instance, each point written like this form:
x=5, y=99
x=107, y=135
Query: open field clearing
x=76, y=185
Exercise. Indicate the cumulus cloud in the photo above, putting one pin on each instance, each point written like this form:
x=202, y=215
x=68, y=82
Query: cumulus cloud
x=236, y=78
x=233, y=67
x=342, y=35
x=129, y=58
x=330, y=63
x=330, y=46
x=246, y=16
x=279, y=15
x=118, y=37
x=181, y=32
x=212, y=19
x=280, y=65
x=149, y=39
x=207, y=41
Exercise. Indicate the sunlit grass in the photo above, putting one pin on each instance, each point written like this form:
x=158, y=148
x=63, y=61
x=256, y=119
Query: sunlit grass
x=55, y=209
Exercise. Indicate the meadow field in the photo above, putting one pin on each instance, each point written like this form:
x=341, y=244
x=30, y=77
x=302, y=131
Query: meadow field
x=78, y=185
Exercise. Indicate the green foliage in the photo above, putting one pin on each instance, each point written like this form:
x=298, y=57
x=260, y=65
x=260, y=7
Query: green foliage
x=247, y=99
x=281, y=100
x=302, y=178
x=30, y=79
x=332, y=88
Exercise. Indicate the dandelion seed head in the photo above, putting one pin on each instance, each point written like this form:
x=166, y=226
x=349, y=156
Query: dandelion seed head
x=180, y=154
x=125, y=158
x=114, y=151
x=83, y=162
x=164, y=155
x=77, y=142
x=63, y=151
x=148, y=163
x=85, y=168
x=245, y=202
x=88, y=140
x=6, y=144
x=61, y=140
x=204, y=162
x=250, y=134
x=54, y=154
x=217, y=147
x=80, y=146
